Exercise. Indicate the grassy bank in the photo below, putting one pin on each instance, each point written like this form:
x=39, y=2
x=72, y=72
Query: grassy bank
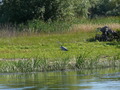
x=49, y=46
x=43, y=53
x=29, y=52
x=45, y=64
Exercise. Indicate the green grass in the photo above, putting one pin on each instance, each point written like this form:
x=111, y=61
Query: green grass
x=41, y=51
x=49, y=46
x=65, y=26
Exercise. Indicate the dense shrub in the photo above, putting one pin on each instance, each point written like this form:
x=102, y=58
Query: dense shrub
x=19, y=11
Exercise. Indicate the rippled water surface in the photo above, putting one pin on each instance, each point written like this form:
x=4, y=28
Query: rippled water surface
x=100, y=79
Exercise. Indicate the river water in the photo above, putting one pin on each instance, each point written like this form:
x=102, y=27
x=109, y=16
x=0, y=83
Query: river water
x=97, y=79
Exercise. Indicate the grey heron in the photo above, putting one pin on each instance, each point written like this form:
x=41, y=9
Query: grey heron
x=63, y=48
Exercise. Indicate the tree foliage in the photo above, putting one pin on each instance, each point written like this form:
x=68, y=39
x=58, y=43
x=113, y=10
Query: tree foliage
x=107, y=8
x=18, y=11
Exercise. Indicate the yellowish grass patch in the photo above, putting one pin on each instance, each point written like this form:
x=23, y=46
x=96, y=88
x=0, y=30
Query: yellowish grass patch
x=91, y=27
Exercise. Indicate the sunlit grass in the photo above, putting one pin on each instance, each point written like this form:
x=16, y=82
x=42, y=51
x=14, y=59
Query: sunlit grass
x=30, y=51
x=91, y=27
x=45, y=64
x=49, y=46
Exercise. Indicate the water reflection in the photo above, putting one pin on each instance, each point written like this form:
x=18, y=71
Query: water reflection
x=68, y=80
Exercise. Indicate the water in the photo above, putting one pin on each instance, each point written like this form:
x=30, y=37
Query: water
x=100, y=79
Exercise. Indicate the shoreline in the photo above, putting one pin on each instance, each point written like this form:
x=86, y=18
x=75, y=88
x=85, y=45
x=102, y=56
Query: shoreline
x=40, y=65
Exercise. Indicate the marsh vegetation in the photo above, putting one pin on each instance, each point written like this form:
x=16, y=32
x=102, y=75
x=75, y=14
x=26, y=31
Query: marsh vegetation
x=32, y=52
x=30, y=37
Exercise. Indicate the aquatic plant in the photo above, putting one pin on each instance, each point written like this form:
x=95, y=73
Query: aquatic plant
x=44, y=64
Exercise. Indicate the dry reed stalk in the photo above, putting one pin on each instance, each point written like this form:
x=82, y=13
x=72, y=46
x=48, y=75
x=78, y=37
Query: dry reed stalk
x=91, y=27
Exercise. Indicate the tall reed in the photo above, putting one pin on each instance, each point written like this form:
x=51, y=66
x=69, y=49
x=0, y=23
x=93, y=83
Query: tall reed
x=44, y=64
